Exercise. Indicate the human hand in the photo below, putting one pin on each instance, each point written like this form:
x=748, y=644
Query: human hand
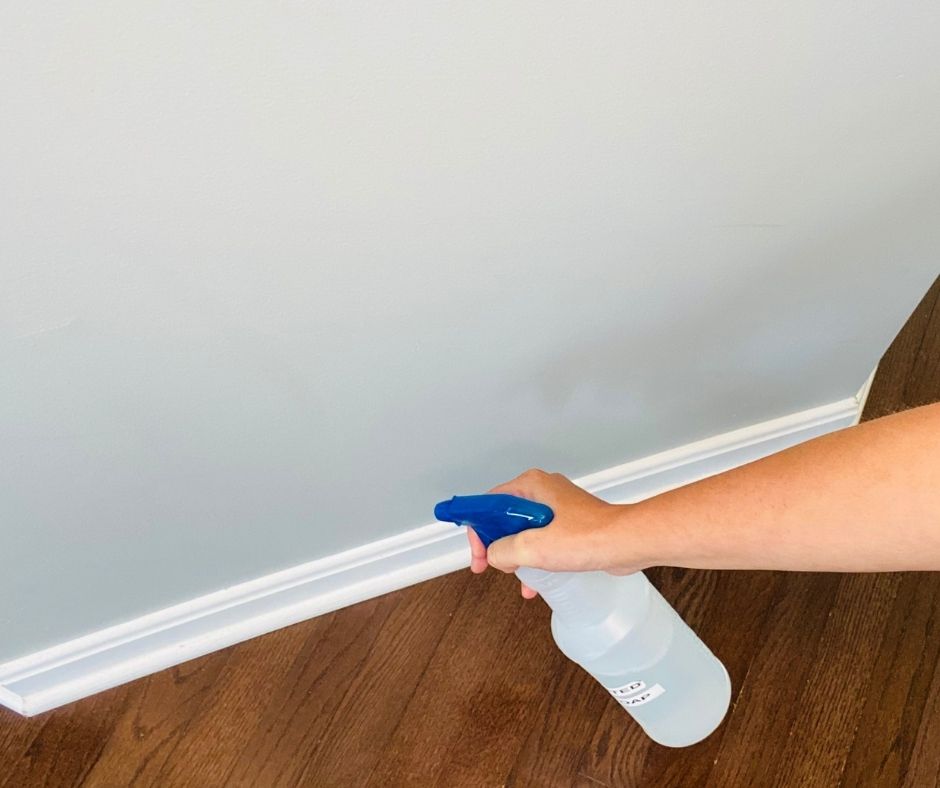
x=577, y=539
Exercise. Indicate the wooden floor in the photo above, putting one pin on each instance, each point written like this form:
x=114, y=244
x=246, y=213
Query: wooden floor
x=456, y=683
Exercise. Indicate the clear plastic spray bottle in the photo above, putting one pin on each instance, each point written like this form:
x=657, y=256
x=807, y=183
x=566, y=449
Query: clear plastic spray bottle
x=618, y=628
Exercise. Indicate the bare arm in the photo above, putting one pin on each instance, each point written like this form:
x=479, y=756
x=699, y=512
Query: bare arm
x=863, y=499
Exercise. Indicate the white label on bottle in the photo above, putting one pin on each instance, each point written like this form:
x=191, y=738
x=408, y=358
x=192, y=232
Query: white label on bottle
x=627, y=689
x=630, y=698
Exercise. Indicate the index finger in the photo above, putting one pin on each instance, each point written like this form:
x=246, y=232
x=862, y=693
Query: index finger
x=477, y=552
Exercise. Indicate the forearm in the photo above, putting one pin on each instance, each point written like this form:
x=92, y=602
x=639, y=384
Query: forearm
x=862, y=499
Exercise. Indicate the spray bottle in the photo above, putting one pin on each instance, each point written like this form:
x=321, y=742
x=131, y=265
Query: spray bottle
x=618, y=628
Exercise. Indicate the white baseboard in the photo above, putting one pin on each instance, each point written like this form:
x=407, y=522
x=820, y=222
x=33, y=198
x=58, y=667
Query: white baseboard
x=77, y=668
x=862, y=395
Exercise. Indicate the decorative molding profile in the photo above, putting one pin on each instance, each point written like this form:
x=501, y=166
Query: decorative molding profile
x=103, y=659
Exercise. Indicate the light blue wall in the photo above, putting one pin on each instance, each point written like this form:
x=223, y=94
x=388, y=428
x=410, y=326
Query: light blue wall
x=274, y=277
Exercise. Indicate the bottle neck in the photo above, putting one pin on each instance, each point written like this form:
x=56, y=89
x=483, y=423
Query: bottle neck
x=575, y=597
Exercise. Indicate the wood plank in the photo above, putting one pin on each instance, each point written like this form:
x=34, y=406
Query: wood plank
x=923, y=385
x=59, y=748
x=906, y=360
x=924, y=765
x=293, y=723
x=197, y=722
x=154, y=720
x=730, y=612
x=756, y=737
x=357, y=735
x=834, y=691
x=466, y=690
x=571, y=706
x=903, y=674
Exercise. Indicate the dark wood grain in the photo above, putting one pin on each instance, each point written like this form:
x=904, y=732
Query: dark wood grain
x=909, y=372
x=899, y=689
x=456, y=682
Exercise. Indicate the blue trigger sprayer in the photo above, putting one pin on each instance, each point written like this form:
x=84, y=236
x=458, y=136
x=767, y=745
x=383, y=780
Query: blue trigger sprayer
x=618, y=628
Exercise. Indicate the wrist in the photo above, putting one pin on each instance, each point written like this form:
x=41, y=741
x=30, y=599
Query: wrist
x=643, y=535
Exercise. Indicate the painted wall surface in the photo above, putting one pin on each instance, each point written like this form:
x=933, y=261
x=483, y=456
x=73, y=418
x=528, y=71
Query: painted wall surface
x=274, y=277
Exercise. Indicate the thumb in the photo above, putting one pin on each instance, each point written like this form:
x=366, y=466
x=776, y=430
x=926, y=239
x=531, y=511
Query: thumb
x=511, y=552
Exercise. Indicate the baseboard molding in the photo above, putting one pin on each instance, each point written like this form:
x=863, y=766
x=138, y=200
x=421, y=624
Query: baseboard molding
x=862, y=396
x=81, y=667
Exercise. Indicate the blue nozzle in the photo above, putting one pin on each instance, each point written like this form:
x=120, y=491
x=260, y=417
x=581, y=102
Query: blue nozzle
x=494, y=515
